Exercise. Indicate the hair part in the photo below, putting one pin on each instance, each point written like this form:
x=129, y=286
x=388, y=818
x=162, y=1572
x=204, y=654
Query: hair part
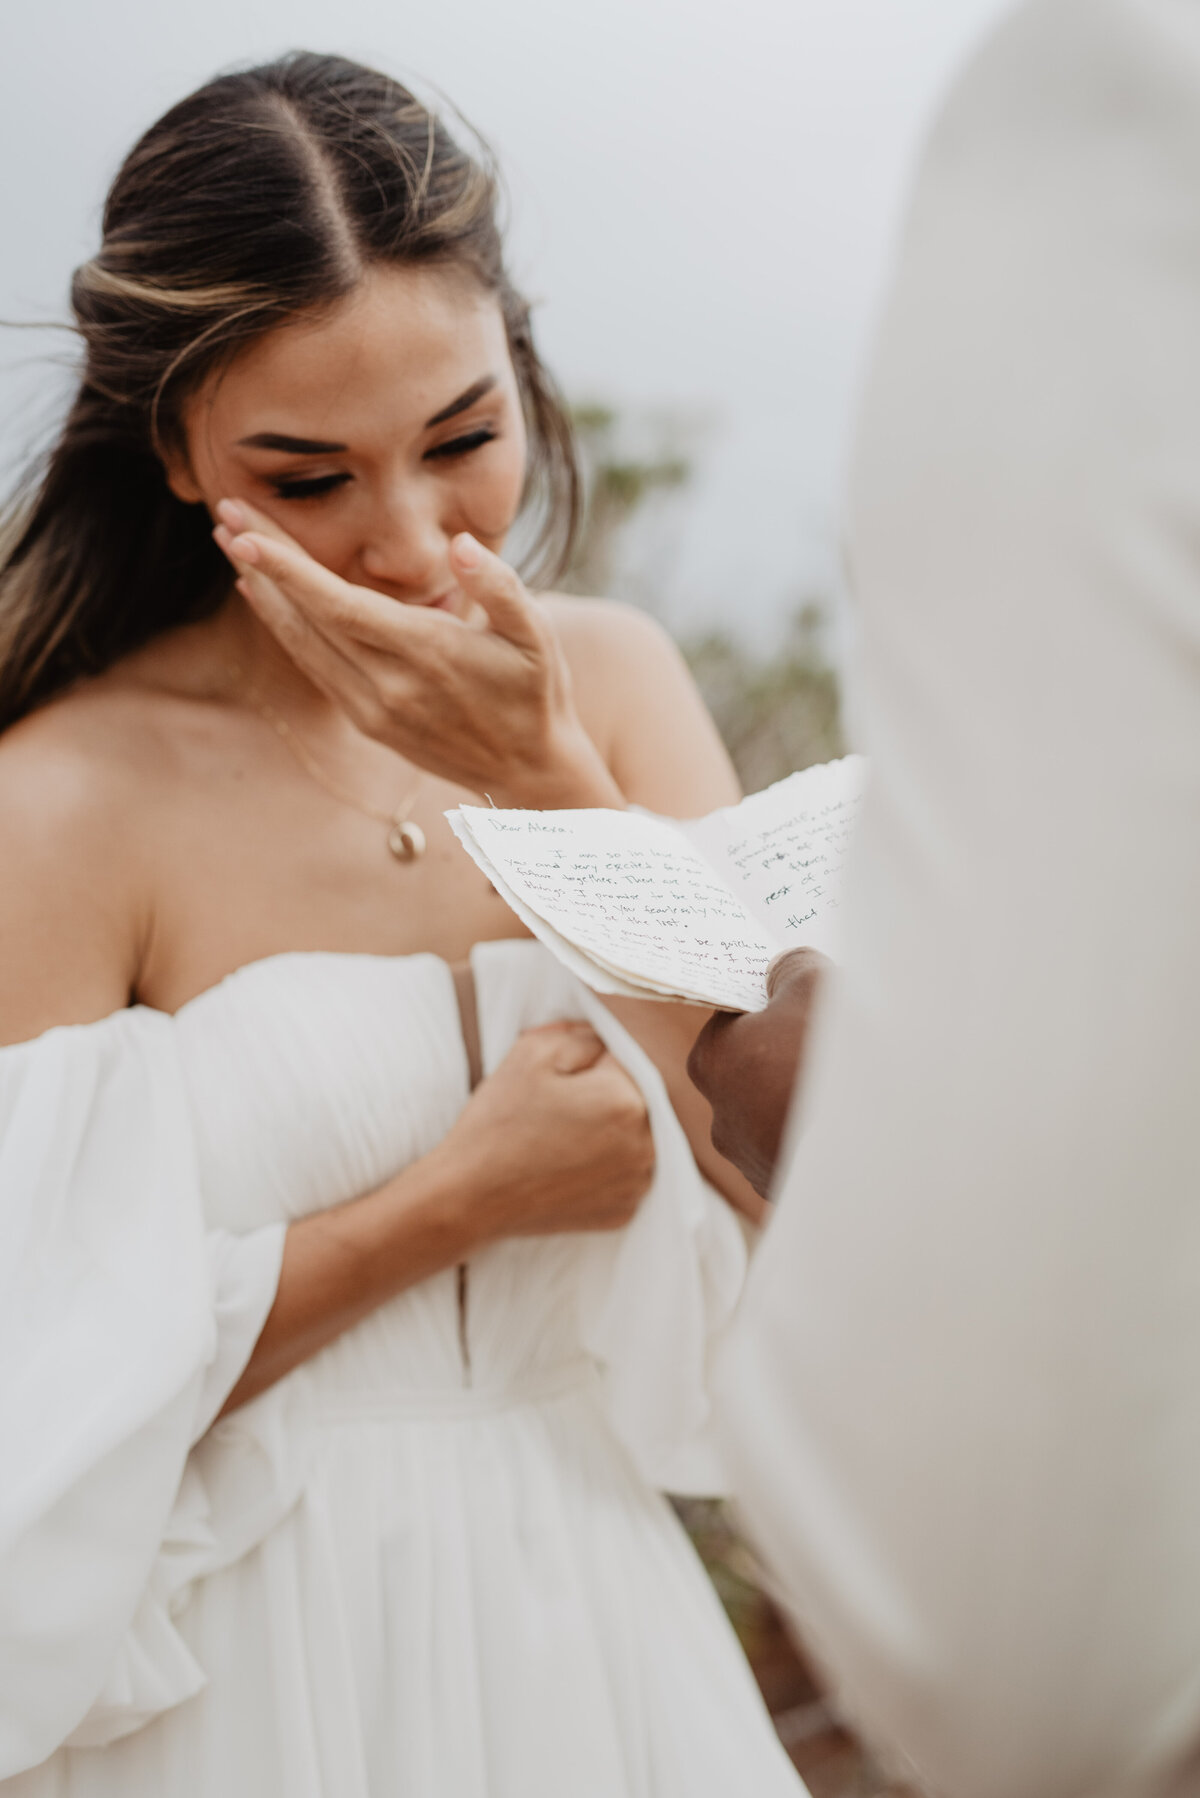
x=263, y=196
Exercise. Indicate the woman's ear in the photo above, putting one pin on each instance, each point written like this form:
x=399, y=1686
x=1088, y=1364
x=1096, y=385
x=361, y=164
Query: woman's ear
x=180, y=479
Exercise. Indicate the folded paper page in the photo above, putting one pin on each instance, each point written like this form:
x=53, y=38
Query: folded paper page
x=782, y=850
x=648, y=907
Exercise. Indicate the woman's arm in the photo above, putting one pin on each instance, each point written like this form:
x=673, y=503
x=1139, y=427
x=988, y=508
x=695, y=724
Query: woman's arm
x=71, y=925
x=557, y=1139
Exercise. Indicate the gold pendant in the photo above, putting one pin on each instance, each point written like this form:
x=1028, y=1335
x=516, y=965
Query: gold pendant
x=406, y=841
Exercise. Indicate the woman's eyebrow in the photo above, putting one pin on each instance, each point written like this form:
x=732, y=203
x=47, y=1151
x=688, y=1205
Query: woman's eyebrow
x=463, y=403
x=312, y=446
x=291, y=446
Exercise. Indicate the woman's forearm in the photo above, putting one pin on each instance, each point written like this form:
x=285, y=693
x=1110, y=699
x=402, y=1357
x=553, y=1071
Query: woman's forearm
x=341, y=1264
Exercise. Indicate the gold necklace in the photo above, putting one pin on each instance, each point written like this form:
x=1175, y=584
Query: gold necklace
x=405, y=838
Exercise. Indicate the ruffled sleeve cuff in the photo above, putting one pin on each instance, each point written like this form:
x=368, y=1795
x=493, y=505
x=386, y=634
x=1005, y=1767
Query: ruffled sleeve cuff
x=235, y=1487
x=244, y=1274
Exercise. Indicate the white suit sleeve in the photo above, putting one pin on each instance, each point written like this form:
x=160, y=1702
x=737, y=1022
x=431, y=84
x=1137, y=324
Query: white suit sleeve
x=963, y=1397
x=122, y=1329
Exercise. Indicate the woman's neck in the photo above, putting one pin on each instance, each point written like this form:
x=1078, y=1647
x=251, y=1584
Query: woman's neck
x=230, y=654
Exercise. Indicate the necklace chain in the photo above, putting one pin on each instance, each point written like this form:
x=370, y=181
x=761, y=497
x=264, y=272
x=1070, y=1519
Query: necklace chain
x=405, y=839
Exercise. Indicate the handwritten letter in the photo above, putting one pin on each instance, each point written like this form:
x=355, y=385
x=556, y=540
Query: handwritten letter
x=633, y=894
x=636, y=904
x=783, y=850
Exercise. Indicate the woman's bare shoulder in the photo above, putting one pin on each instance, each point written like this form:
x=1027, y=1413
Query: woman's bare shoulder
x=608, y=625
x=641, y=707
x=81, y=760
x=72, y=782
x=615, y=653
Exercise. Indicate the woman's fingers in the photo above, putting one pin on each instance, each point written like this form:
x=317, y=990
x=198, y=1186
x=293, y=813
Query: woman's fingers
x=334, y=673
x=252, y=540
x=237, y=515
x=249, y=537
x=492, y=584
x=329, y=603
x=574, y=1046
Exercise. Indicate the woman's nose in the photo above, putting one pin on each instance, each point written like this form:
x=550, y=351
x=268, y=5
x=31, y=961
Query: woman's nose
x=405, y=546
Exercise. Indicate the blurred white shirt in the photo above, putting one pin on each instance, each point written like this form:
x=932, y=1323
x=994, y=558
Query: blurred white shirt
x=964, y=1397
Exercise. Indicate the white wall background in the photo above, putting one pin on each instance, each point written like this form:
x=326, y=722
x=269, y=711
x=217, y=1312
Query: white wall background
x=704, y=194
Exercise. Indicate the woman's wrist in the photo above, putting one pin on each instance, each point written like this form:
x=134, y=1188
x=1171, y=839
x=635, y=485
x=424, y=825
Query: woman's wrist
x=575, y=776
x=339, y=1265
x=443, y=1197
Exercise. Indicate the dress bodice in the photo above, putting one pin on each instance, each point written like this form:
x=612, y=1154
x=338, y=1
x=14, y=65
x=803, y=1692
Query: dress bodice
x=313, y=1078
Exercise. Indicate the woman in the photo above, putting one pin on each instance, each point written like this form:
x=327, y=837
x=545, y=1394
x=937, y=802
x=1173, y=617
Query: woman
x=448, y=1354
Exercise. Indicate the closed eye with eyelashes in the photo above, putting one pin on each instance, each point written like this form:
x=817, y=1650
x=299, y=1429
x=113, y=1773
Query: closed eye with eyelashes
x=313, y=486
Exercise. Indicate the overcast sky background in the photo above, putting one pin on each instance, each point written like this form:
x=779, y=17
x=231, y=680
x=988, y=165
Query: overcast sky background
x=704, y=195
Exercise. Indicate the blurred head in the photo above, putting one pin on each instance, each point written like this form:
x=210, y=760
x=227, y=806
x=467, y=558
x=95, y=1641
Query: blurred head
x=300, y=299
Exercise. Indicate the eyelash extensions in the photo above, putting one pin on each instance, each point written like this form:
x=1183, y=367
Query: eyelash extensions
x=309, y=489
x=461, y=446
x=314, y=487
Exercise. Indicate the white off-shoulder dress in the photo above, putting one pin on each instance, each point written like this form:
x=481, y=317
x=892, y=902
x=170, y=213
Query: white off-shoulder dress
x=432, y=1562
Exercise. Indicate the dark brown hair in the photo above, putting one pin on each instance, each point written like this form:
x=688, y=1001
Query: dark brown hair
x=264, y=195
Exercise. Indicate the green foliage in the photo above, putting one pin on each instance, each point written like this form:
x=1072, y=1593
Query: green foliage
x=616, y=486
x=776, y=714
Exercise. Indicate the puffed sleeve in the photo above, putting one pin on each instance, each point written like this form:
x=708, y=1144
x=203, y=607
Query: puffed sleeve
x=123, y=1326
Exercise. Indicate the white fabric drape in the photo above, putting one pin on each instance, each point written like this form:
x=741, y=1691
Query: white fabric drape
x=660, y=1293
x=964, y=1394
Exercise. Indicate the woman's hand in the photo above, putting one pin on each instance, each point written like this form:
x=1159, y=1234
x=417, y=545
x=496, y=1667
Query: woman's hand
x=488, y=708
x=557, y=1139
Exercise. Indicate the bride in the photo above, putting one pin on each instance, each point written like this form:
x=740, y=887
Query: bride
x=358, y=1279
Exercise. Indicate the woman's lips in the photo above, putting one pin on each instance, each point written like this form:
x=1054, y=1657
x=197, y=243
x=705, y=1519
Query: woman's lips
x=455, y=602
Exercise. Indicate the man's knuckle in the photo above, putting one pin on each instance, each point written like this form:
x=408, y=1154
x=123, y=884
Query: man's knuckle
x=722, y=1139
x=698, y=1062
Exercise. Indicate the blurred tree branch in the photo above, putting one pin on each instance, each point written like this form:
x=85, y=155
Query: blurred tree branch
x=616, y=487
x=776, y=714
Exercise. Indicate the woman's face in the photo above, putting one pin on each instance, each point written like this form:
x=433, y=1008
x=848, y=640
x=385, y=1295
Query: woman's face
x=373, y=434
